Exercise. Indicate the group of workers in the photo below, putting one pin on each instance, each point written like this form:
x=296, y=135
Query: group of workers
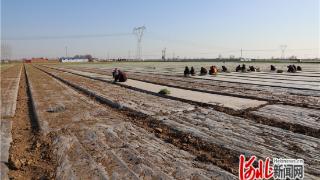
x=188, y=72
x=213, y=70
x=243, y=68
x=120, y=76
x=203, y=71
x=293, y=68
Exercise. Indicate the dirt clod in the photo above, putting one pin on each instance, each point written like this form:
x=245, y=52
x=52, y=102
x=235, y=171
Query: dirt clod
x=158, y=130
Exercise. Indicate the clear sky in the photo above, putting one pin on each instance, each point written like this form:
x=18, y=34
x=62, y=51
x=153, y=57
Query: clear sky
x=186, y=28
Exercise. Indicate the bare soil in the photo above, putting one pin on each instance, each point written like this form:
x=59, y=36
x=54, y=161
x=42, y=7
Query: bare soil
x=227, y=131
x=30, y=153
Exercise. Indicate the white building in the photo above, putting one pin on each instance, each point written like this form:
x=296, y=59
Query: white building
x=73, y=60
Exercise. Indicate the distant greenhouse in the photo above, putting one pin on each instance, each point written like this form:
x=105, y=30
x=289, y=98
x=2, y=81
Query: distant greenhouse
x=72, y=59
x=77, y=58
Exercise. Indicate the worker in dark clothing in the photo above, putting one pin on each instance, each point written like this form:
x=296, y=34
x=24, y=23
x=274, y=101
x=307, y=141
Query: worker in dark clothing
x=299, y=68
x=252, y=68
x=192, y=71
x=186, y=71
x=119, y=76
x=273, y=68
x=292, y=69
x=238, y=68
x=224, y=69
x=243, y=68
x=203, y=71
x=115, y=72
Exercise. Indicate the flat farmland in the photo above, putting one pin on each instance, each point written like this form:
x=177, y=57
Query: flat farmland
x=75, y=123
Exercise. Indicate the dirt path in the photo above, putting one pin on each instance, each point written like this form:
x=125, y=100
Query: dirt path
x=29, y=151
x=9, y=90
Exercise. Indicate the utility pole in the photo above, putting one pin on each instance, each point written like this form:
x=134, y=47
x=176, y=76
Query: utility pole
x=138, y=31
x=241, y=54
x=164, y=54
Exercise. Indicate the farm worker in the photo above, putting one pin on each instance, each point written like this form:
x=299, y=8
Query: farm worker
x=291, y=69
x=299, y=68
x=119, y=76
x=192, y=71
x=238, y=68
x=251, y=68
x=294, y=67
x=224, y=69
x=115, y=72
x=243, y=68
x=273, y=68
x=186, y=71
x=213, y=70
x=203, y=71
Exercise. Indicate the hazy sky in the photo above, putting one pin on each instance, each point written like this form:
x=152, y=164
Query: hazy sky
x=186, y=28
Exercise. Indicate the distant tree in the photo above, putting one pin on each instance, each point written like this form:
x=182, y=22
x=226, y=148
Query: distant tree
x=88, y=56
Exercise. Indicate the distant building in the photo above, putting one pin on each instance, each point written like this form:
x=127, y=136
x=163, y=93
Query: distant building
x=73, y=59
x=36, y=60
x=245, y=59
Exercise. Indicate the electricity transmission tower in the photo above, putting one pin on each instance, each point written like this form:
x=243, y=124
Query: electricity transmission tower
x=283, y=49
x=138, y=31
x=164, y=54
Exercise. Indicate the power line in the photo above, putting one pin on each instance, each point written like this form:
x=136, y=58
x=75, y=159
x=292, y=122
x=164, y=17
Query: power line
x=67, y=36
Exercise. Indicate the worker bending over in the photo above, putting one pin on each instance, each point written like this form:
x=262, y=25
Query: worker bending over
x=119, y=75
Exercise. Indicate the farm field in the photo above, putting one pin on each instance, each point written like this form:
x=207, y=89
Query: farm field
x=70, y=121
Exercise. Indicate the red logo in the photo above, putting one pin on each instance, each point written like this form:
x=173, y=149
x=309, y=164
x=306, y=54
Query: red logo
x=248, y=172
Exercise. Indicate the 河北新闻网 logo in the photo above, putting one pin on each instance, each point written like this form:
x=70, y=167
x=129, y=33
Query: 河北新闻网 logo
x=252, y=168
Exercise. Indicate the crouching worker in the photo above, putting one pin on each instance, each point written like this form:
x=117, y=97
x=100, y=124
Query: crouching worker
x=292, y=68
x=243, y=68
x=273, y=68
x=186, y=72
x=224, y=69
x=299, y=68
x=252, y=68
x=203, y=71
x=192, y=71
x=119, y=76
x=238, y=68
x=213, y=70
